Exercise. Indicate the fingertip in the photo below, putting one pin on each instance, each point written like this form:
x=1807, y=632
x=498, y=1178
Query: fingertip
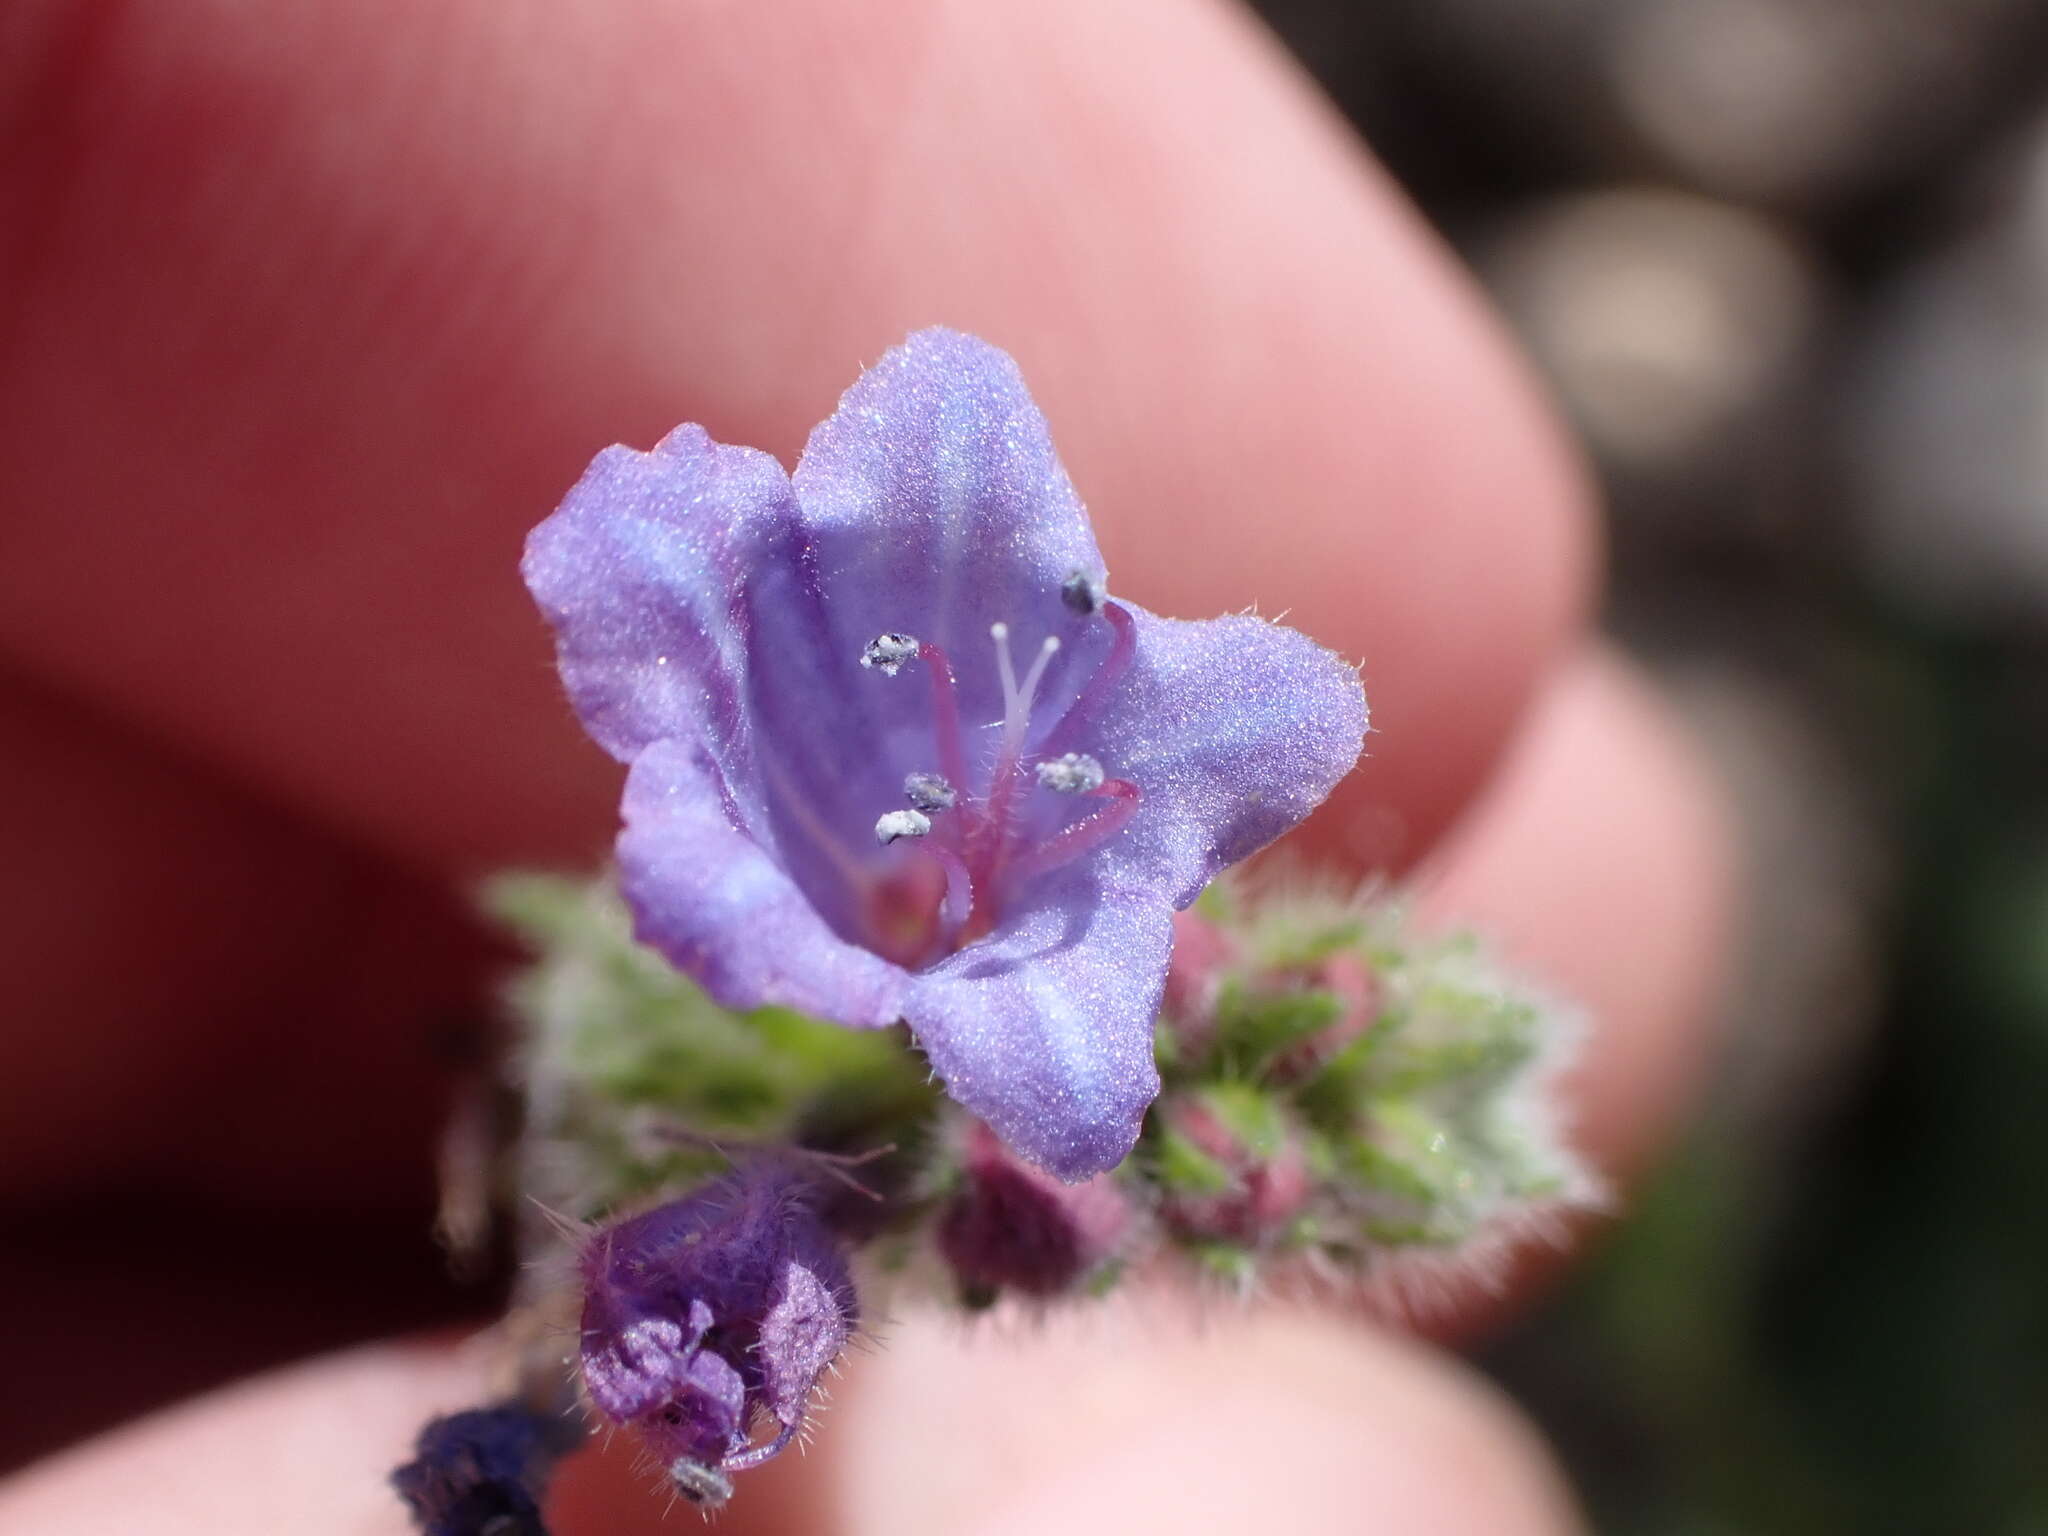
x=394, y=345
x=1167, y=1418
x=1162, y=1416
x=309, y=1450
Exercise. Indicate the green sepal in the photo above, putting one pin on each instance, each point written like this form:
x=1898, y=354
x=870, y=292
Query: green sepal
x=1254, y=1027
x=620, y=1049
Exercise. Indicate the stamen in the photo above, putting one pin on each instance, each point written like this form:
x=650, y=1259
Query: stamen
x=1083, y=593
x=945, y=713
x=959, y=888
x=706, y=1487
x=1089, y=701
x=894, y=824
x=979, y=851
x=1075, y=774
x=888, y=652
x=753, y=1456
x=929, y=793
x=1003, y=782
x=1083, y=836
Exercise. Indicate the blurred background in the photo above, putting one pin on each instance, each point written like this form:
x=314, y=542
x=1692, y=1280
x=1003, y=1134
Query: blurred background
x=1785, y=263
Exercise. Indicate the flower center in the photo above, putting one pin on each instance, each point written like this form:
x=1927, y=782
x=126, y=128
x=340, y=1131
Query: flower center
x=986, y=839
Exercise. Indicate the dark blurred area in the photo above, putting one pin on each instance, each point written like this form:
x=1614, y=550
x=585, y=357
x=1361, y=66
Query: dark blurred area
x=1785, y=265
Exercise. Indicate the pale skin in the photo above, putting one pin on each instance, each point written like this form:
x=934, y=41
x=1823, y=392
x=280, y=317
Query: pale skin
x=312, y=311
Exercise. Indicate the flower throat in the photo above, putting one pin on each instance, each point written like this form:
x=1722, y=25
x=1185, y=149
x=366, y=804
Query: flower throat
x=983, y=845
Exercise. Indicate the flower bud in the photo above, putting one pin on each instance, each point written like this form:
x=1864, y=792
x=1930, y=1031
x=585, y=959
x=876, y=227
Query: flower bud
x=708, y=1314
x=1013, y=1227
x=1194, y=976
x=1235, y=1170
x=1347, y=978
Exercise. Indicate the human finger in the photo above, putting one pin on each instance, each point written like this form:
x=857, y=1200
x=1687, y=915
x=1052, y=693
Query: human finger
x=311, y=322
x=1108, y=1424
x=207, y=994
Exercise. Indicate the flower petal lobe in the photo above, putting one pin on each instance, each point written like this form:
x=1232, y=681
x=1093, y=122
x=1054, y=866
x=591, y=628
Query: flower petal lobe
x=1045, y=1029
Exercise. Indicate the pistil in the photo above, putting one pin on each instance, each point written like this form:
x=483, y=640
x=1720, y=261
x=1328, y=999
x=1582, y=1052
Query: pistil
x=990, y=849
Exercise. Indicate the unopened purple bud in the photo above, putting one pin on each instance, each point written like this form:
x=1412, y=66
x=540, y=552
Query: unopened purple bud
x=1013, y=1227
x=483, y=1470
x=706, y=1315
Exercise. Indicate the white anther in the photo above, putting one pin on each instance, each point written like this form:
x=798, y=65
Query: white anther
x=1075, y=774
x=1083, y=593
x=929, y=792
x=888, y=652
x=894, y=824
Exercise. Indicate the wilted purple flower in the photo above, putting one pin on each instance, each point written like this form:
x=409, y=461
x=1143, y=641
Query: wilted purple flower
x=707, y=1313
x=1011, y=1227
x=897, y=755
x=481, y=1472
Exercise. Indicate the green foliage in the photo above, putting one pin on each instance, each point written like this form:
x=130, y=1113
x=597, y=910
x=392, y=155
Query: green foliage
x=625, y=1060
x=1255, y=1028
x=1401, y=1081
x=1346, y=1090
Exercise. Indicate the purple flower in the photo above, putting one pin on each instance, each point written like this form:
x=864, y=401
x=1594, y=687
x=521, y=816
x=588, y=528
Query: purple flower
x=897, y=755
x=703, y=1315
